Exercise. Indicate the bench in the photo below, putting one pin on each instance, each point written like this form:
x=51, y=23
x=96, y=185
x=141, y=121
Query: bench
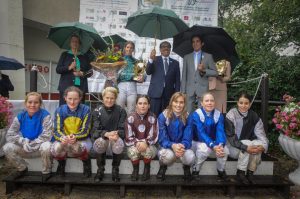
x=176, y=181
x=264, y=177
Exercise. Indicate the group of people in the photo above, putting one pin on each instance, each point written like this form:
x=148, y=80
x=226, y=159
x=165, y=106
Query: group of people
x=165, y=123
x=107, y=130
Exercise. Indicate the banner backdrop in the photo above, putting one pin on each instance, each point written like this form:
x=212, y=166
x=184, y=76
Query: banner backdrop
x=110, y=16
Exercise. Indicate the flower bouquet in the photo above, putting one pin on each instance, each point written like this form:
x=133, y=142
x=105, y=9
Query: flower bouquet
x=5, y=120
x=287, y=118
x=108, y=63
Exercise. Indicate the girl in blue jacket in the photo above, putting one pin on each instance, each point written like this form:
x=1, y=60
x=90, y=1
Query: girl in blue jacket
x=209, y=135
x=174, y=140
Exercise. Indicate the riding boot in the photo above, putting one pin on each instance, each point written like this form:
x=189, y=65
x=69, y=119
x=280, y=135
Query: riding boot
x=146, y=174
x=61, y=168
x=187, y=173
x=101, y=159
x=115, y=167
x=223, y=176
x=162, y=172
x=250, y=176
x=242, y=177
x=87, y=168
x=135, y=172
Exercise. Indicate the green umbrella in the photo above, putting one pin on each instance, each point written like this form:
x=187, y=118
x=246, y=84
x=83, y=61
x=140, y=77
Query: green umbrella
x=62, y=32
x=155, y=23
x=116, y=39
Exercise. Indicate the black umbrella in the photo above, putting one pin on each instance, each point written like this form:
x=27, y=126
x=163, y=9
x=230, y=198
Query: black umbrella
x=216, y=42
x=9, y=64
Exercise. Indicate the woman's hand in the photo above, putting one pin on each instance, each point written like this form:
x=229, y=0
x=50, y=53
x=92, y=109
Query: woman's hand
x=72, y=139
x=219, y=150
x=140, y=78
x=78, y=73
x=141, y=146
x=178, y=149
x=72, y=66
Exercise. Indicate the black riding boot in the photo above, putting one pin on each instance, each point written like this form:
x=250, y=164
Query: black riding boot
x=162, y=172
x=87, y=168
x=115, y=167
x=242, y=177
x=61, y=168
x=146, y=174
x=135, y=172
x=101, y=167
x=250, y=176
x=222, y=175
x=187, y=173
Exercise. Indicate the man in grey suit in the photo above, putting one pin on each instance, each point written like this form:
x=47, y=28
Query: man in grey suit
x=197, y=67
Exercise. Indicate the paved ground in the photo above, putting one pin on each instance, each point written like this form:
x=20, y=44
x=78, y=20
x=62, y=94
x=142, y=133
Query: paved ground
x=78, y=192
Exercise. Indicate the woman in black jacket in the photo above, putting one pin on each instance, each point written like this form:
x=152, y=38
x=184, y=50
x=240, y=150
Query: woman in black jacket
x=108, y=132
x=74, y=69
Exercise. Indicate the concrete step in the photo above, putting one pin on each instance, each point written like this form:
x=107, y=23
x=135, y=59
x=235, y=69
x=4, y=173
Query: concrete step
x=208, y=168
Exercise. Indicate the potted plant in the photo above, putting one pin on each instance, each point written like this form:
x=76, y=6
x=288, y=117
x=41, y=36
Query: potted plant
x=287, y=121
x=5, y=120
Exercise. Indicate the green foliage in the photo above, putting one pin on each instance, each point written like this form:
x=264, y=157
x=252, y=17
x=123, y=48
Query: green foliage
x=261, y=29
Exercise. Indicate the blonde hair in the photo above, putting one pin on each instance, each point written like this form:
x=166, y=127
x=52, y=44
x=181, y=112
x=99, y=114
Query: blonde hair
x=34, y=94
x=109, y=89
x=169, y=110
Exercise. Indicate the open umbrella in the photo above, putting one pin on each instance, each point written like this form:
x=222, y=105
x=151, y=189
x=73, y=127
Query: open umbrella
x=9, y=64
x=155, y=23
x=62, y=33
x=216, y=42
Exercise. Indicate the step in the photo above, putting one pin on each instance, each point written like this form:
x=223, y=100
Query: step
x=208, y=168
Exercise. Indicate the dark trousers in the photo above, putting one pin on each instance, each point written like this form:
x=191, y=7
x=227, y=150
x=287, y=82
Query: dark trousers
x=157, y=105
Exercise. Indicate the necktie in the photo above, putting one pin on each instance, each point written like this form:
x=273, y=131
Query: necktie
x=166, y=65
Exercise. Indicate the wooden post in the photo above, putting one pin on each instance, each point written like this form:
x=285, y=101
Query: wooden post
x=265, y=100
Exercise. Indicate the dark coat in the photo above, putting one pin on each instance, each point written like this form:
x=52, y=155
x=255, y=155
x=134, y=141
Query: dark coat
x=158, y=78
x=108, y=119
x=5, y=86
x=66, y=76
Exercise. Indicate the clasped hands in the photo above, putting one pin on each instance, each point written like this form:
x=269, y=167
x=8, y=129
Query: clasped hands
x=112, y=135
x=141, y=146
x=75, y=72
x=255, y=149
x=219, y=150
x=68, y=139
x=178, y=149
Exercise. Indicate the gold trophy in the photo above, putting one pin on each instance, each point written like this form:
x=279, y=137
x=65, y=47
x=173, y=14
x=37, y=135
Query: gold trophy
x=139, y=69
x=221, y=67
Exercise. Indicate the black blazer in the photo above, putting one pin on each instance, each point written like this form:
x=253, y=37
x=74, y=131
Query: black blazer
x=66, y=76
x=171, y=80
x=5, y=86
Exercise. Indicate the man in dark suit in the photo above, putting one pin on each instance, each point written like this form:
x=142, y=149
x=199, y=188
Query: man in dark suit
x=5, y=85
x=165, y=78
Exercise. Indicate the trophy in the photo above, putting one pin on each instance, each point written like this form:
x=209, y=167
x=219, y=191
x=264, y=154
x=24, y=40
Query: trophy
x=139, y=69
x=221, y=67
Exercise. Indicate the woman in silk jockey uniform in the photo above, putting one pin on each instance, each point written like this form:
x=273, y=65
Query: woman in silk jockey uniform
x=209, y=136
x=174, y=139
x=29, y=136
x=72, y=132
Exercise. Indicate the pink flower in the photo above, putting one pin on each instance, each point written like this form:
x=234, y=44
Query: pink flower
x=279, y=126
x=275, y=121
x=293, y=125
